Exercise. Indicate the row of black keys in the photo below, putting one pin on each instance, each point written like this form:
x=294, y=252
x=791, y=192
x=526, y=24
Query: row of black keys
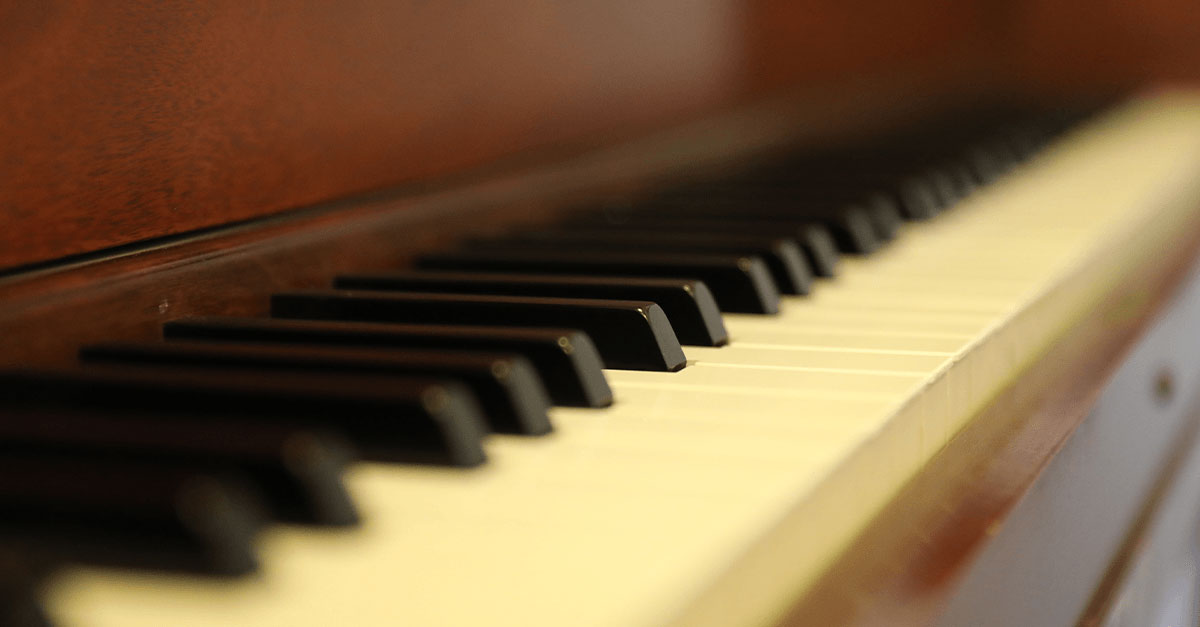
x=172, y=454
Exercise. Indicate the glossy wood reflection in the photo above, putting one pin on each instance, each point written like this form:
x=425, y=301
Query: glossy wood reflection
x=130, y=122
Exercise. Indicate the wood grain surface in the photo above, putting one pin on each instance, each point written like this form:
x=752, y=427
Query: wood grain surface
x=123, y=122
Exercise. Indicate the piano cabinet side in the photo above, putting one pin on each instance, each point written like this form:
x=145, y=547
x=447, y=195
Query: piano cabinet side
x=914, y=557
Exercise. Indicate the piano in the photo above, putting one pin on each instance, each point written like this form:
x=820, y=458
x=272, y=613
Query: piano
x=601, y=314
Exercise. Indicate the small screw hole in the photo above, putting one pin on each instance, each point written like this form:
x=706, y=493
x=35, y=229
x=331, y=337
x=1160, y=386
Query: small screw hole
x=1164, y=387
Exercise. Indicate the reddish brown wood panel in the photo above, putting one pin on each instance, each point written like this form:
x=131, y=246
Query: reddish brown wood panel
x=130, y=120
x=1058, y=48
x=123, y=121
x=810, y=44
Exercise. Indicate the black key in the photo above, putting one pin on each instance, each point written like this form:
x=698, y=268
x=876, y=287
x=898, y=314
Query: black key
x=814, y=239
x=917, y=199
x=629, y=334
x=840, y=210
x=964, y=180
x=881, y=208
x=128, y=514
x=688, y=304
x=885, y=216
x=740, y=283
x=298, y=472
x=912, y=197
x=782, y=255
x=507, y=386
x=819, y=247
x=942, y=185
x=893, y=199
x=988, y=162
x=851, y=227
x=21, y=577
x=566, y=359
x=915, y=196
x=1024, y=140
x=387, y=418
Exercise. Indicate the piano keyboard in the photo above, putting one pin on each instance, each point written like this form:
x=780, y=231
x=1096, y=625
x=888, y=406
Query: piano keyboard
x=710, y=494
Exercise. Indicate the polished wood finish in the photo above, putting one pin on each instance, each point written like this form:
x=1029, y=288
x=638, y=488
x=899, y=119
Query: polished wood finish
x=133, y=122
x=1064, y=49
x=128, y=122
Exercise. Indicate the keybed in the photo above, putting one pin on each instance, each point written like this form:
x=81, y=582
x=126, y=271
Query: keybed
x=792, y=435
